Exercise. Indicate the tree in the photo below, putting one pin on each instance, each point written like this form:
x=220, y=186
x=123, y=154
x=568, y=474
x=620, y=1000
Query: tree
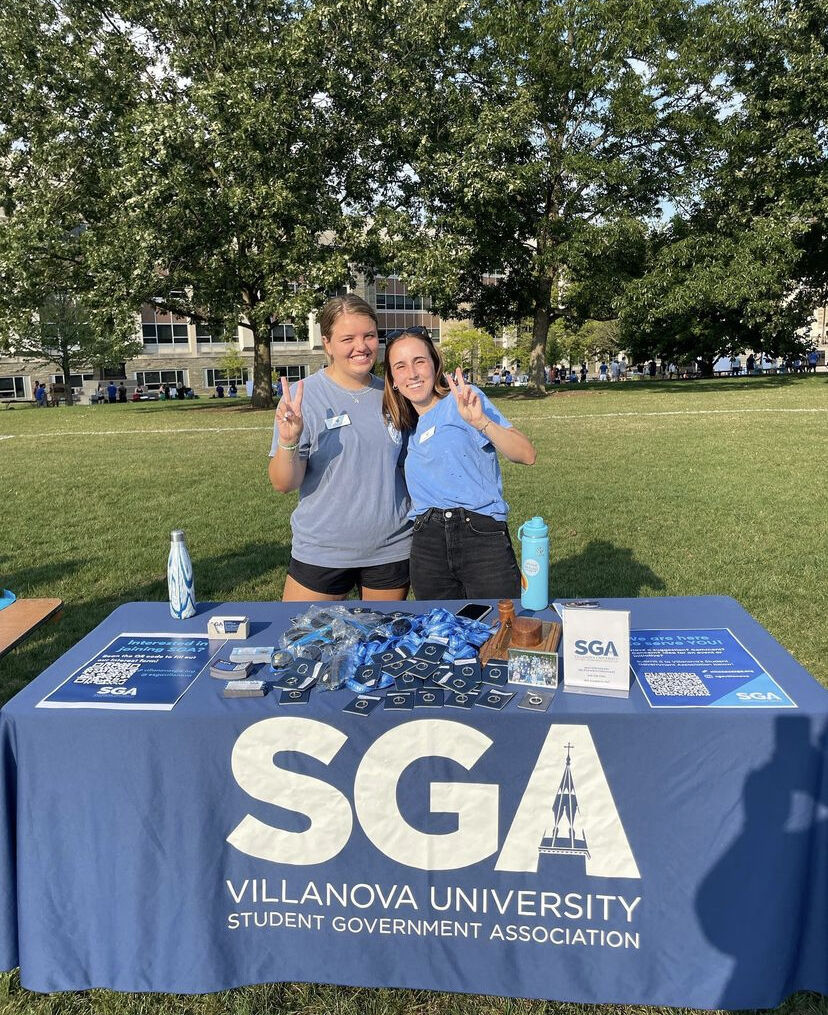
x=749, y=262
x=258, y=150
x=776, y=157
x=708, y=295
x=553, y=129
x=226, y=172
x=233, y=363
x=469, y=348
x=63, y=333
x=64, y=90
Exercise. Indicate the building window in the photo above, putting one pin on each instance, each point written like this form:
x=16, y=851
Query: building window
x=396, y=301
x=210, y=331
x=283, y=333
x=293, y=373
x=152, y=380
x=75, y=380
x=161, y=328
x=12, y=387
x=213, y=376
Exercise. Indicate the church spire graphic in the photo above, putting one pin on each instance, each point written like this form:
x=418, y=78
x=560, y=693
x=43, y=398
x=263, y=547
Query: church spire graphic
x=564, y=837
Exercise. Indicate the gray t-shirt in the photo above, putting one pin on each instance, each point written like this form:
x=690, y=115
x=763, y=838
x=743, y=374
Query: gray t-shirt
x=353, y=501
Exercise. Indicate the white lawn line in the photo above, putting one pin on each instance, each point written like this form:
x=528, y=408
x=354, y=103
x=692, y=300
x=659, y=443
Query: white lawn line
x=269, y=429
x=133, y=433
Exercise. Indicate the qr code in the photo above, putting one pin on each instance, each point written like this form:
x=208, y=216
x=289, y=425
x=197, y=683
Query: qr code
x=686, y=684
x=110, y=671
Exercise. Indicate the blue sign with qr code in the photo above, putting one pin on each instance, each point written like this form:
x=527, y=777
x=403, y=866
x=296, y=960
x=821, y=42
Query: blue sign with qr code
x=135, y=671
x=706, y=667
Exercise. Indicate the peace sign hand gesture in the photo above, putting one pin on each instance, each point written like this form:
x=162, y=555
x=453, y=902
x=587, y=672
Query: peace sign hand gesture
x=468, y=400
x=289, y=414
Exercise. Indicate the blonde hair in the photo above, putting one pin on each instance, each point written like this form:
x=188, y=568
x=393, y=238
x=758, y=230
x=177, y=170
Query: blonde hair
x=396, y=407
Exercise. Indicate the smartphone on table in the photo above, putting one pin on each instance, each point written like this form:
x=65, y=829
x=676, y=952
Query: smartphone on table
x=474, y=611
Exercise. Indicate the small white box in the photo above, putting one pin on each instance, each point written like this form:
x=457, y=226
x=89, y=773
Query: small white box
x=234, y=628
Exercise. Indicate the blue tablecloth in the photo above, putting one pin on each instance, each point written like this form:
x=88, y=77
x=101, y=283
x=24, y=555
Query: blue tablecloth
x=236, y=841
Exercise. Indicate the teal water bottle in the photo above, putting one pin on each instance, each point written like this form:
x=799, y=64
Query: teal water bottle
x=180, y=579
x=534, y=564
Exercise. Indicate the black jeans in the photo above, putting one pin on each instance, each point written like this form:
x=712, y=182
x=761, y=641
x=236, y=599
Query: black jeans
x=459, y=554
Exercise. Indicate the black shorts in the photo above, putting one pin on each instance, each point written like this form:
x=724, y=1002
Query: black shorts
x=333, y=581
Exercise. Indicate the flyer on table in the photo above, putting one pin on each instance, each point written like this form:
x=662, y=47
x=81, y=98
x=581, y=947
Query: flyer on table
x=135, y=671
x=701, y=667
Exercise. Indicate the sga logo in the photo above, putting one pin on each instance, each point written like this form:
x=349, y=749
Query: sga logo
x=595, y=648
x=330, y=814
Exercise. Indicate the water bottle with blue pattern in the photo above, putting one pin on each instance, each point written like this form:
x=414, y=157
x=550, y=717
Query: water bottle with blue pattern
x=534, y=564
x=180, y=579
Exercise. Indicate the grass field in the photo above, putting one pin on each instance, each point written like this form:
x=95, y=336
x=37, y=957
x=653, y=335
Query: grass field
x=715, y=487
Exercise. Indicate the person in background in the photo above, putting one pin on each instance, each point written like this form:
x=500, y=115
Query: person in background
x=122, y=392
x=112, y=393
x=166, y=389
x=460, y=546
x=232, y=390
x=40, y=395
x=332, y=444
x=219, y=390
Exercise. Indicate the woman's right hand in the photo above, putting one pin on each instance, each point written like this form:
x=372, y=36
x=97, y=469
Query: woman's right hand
x=289, y=414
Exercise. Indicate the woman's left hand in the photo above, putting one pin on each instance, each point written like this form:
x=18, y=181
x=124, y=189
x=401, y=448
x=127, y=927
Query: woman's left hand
x=468, y=400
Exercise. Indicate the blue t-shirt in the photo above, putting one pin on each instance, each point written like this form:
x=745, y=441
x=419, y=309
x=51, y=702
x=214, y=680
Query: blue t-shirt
x=450, y=464
x=353, y=505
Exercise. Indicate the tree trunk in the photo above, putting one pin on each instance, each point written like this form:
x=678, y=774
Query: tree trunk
x=706, y=365
x=66, y=366
x=537, y=358
x=262, y=368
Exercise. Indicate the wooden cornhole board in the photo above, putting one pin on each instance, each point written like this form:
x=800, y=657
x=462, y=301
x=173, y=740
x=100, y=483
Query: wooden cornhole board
x=22, y=617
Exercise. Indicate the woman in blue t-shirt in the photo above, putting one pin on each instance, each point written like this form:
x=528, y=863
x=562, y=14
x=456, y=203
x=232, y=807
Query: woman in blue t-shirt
x=461, y=547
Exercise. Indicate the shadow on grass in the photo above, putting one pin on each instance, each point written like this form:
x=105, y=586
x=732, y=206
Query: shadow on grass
x=602, y=569
x=36, y=576
x=216, y=579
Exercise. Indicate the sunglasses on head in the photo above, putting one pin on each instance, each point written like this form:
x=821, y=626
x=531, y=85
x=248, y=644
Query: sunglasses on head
x=417, y=330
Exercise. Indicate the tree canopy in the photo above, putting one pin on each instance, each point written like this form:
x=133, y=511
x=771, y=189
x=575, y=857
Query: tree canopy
x=553, y=130
x=237, y=160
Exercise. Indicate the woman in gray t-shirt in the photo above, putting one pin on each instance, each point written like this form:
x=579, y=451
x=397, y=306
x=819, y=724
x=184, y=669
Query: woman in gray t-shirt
x=331, y=443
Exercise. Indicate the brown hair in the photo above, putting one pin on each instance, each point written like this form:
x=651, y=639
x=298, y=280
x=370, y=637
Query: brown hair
x=350, y=303
x=396, y=407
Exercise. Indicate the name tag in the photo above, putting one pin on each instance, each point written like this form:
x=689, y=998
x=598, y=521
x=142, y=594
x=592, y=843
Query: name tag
x=334, y=422
x=428, y=433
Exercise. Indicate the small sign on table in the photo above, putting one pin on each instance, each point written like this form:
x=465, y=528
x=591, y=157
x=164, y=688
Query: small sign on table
x=596, y=650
